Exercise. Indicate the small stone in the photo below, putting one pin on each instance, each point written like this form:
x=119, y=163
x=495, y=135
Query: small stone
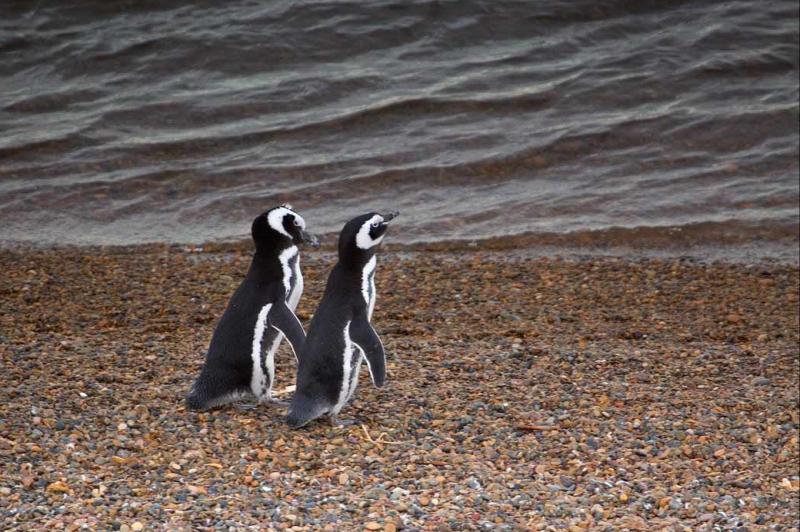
x=137, y=526
x=58, y=487
x=175, y=466
x=343, y=478
x=197, y=490
x=375, y=493
x=424, y=501
x=520, y=500
x=734, y=318
x=373, y=525
x=634, y=522
x=473, y=483
x=390, y=527
x=761, y=381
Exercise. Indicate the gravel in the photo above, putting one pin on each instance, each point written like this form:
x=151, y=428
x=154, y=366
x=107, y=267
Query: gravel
x=522, y=394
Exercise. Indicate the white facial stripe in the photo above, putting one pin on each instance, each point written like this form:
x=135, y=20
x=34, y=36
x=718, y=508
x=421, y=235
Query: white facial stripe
x=275, y=218
x=363, y=240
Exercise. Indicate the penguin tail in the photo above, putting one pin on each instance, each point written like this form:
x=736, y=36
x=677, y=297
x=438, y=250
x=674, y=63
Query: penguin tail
x=206, y=394
x=195, y=402
x=295, y=420
x=302, y=411
x=214, y=388
x=200, y=401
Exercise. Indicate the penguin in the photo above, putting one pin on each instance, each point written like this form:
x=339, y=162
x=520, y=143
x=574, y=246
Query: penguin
x=340, y=335
x=240, y=360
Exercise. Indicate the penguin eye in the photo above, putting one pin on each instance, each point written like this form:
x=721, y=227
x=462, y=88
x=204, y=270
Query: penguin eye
x=375, y=224
x=297, y=222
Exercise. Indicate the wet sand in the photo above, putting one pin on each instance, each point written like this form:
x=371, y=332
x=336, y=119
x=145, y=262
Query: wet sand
x=605, y=393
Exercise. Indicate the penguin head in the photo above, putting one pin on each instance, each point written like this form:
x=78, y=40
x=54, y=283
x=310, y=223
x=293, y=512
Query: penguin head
x=361, y=236
x=280, y=227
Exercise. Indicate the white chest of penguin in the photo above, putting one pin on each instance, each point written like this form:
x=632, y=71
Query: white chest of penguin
x=352, y=355
x=263, y=374
x=292, y=277
x=368, y=285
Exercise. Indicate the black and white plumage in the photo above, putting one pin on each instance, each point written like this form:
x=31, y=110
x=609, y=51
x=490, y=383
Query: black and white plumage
x=240, y=360
x=340, y=336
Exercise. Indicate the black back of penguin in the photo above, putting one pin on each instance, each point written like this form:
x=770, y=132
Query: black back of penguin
x=341, y=322
x=229, y=368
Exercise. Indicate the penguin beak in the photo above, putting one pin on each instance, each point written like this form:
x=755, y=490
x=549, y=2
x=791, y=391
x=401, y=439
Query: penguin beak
x=391, y=216
x=308, y=238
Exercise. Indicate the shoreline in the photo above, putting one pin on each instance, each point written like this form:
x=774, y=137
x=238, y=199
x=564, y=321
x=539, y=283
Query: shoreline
x=521, y=393
x=734, y=242
x=785, y=253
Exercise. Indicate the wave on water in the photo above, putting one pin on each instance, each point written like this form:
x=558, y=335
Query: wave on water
x=503, y=123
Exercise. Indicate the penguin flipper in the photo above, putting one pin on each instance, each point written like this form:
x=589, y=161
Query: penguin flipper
x=282, y=319
x=364, y=336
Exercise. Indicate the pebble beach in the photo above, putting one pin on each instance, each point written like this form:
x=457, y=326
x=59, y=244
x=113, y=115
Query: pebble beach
x=522, y=394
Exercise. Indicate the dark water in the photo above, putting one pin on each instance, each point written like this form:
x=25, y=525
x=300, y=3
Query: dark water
x=127, y=122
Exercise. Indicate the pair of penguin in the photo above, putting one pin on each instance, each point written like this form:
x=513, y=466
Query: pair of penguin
x=241, y=356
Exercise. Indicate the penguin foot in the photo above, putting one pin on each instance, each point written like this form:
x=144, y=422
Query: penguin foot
x=336, y=422
x=271, y=400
